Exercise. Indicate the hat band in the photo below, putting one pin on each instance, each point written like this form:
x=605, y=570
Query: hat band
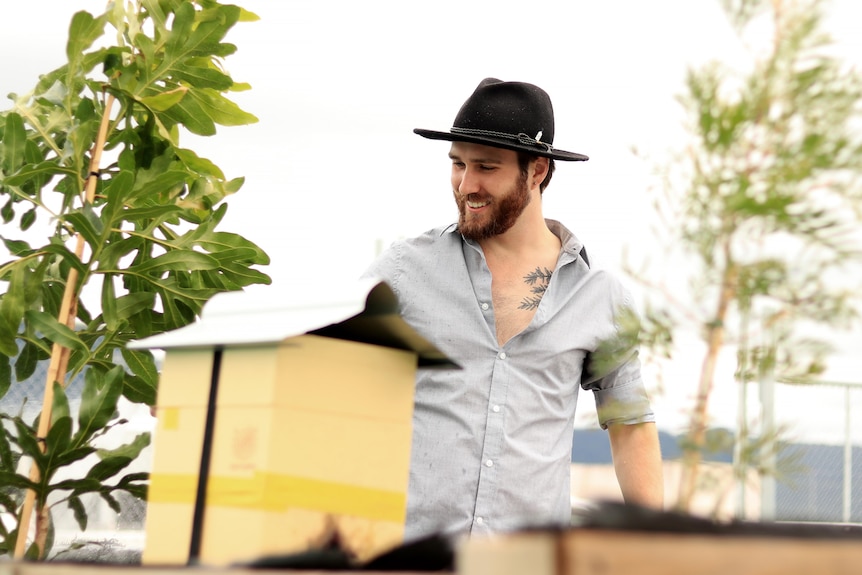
x=521, y=138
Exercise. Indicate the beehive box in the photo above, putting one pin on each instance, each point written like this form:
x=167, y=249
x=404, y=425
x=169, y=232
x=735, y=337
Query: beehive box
x=282, y=430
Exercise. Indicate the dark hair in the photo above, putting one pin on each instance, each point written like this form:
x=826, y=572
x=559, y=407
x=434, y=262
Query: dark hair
x=524, y=159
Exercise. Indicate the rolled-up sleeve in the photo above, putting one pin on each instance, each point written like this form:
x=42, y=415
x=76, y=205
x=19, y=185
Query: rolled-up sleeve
x=621, y=396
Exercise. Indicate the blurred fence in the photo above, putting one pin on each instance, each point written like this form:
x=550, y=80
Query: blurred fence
x=820, y=463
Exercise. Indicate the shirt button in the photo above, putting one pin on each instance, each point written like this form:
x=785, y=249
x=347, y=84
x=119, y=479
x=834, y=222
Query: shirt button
x=485, y=307
x=496, y=409
x=502, y=355
x=489, y=463
x=479, y=521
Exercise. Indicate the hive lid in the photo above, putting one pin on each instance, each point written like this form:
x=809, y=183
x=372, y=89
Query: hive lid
x=365, y=312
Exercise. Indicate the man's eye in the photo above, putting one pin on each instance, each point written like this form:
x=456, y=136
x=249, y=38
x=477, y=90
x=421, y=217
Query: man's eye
x=488, y=168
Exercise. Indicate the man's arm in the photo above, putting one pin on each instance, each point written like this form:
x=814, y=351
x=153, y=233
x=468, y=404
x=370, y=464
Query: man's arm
x=637, y=462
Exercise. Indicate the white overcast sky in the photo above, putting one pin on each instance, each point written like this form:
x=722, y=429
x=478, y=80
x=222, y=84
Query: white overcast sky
x=333, y=170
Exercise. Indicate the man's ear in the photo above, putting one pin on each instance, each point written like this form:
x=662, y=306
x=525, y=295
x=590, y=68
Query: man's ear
x=541, y=165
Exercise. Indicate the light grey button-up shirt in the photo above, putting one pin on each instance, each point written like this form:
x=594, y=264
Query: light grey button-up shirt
x=492, y=441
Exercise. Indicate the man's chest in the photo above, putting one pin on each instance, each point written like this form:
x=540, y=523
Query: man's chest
x=516, y=295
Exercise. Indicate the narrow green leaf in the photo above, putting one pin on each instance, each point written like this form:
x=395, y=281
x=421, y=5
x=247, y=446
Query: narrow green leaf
x=131, y=304
x=32, y=171
x=220, y=109
x=11, y=479
x=116, y=191
x=176, y=260
x=190, y=114
x=25, y=365
x=244, y=275
x=107, y=468
x=55, y=331
x=87, y=222
x=217, y=242
x=199, y=165
x=14, y=142
x=28, y=219
x=8, y=337
x=30, y=447
x=5, y=376
x=72, y=455
x=60, y=405
x=78, y=510
x=109, y=499
x=98, y=401
x=171, y=179
x=165, y=100
x=138, y=390
x=109, y=302
x=7, y=212
x=68, y=256
x=142, y=364
x=130, y=450
x=14, y=302
x=203, y=77
x=57, y=442
x=157, y=214
x=77, y=486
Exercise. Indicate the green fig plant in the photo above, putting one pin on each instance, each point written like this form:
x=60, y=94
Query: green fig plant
x=92, y=155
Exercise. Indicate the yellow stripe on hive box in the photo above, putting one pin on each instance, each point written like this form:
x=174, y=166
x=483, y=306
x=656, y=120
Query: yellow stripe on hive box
x=271, y=492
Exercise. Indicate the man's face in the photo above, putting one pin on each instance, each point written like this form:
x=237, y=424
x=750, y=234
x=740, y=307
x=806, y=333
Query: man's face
x=490, y=190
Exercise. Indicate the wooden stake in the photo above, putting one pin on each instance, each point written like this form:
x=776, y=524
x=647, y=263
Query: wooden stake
x=60, y=354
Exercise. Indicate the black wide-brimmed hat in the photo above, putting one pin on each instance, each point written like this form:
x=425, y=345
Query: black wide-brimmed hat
x=512, y=115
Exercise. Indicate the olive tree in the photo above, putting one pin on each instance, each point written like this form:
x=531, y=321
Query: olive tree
x=762, y=207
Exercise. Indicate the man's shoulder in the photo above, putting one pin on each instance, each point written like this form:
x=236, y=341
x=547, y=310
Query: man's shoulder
x=440, y=236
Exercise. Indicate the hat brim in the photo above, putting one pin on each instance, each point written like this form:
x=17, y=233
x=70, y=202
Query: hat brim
x=499, y=143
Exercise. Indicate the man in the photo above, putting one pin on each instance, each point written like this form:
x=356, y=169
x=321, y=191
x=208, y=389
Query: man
x=510, y=297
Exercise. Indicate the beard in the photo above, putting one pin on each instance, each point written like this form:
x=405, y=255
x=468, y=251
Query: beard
x=501, y=215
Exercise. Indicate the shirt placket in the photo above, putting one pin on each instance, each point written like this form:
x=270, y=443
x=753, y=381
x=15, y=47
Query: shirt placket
x=492, y=465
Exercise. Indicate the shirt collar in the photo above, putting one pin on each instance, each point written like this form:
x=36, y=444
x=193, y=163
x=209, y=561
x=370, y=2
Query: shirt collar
x=570, y=243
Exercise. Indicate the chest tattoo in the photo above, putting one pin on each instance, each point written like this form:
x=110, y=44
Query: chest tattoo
x=538, y=281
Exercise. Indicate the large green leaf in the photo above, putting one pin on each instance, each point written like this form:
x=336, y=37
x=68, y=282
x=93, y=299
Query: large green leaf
x=83, y=31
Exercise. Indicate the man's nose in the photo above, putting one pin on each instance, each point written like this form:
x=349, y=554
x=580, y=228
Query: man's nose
x=469, y=182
